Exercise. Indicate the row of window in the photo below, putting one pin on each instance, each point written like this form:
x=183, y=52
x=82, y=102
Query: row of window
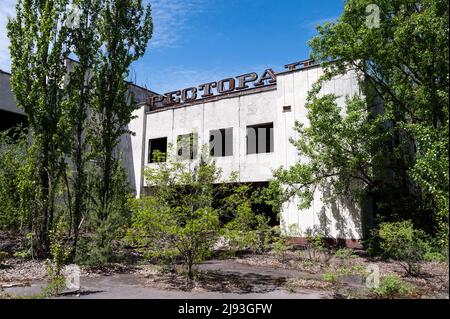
x=259, y=140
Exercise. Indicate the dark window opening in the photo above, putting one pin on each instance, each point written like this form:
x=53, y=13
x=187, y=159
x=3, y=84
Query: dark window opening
x=260, y=138
x=221, y=142
x=9, y=120
x=187, y=146
x=157, y=144
x=259, y=208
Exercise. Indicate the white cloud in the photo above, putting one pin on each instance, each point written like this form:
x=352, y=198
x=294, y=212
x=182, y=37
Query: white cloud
x=170, y=17
x=7, y=9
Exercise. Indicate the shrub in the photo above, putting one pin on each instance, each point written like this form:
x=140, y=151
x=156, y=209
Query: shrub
x=434, y=256
x=246, y=229
x=23, y=254
x=315, y=245
x=105, y=226
x=264, y=233
x=344, y=255
x=281, y=246
x=352, y=270
x=402, y=242
x=59, y=251
x=177, y=220
x=330, y=277
x=13, y=158
x=392, y=286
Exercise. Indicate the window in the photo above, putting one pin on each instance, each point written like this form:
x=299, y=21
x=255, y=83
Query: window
x=260, y=138
x=187, y=146
x=221, y=142
x=156, y=144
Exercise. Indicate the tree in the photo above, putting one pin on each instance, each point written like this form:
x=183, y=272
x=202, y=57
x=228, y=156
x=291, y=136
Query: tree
x=85, y=45
x=76, y=115
x=177, y=219
x=38, y=51
x=125, y=28
x=13, y=160
x=399, y=151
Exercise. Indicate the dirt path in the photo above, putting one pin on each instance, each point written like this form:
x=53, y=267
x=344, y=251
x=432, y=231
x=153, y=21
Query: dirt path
x=247, y=282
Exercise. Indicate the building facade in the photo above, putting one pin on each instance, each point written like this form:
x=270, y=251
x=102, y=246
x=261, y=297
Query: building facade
x=10, y=115
x=247, y=122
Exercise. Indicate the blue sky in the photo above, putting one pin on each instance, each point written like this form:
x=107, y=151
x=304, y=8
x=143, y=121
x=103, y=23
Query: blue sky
x=197, y=41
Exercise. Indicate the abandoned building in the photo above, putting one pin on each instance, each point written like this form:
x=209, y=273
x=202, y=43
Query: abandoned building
x=247, y=122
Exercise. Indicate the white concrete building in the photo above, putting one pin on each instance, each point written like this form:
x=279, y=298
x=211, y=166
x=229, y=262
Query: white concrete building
x=237, y=107
x=247, y=121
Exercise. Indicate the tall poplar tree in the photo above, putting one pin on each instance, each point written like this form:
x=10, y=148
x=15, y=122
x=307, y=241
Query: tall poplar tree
x=125, y=28
x=38, y=51
x=85, y=45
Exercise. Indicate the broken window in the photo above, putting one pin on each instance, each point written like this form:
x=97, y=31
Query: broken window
x=221, y=142
x=157, y=144
x=187, y=146
x=260, y=138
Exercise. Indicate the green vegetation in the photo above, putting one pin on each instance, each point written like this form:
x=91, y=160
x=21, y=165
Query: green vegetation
x=392, y=286
x=344, y=254
x=64, y=189
x=66, y=167
x=393, y=154
x=330, y=277
x=400, y=241
x=178, y=219
x=315, y=246
x=14, y=213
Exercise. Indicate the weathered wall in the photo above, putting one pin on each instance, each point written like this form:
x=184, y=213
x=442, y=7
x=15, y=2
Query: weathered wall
x=338, y=220
x=7, y=100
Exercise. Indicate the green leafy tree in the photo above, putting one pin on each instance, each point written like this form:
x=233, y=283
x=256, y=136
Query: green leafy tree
x=395, y=152
x=124, y=29
x=177, y=219
x=38, y=51
x=85, y=45
x=13, y=159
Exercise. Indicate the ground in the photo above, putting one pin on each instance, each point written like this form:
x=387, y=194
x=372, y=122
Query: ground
x=270, y=275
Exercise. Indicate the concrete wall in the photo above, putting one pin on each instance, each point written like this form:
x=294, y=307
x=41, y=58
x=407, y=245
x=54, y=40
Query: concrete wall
x=337, y=220
x=7, y=100
x=340, y=219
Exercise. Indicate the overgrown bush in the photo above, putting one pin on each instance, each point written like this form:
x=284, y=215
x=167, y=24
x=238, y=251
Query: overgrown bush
x=434, y=256
x=281, y=246
x=104, y=227
x=344, y=255
x=246, y=230
x=13, y=161
x=177, y=220
x=330, y=277
x=59, y=251
x=392, y=286
x=315, y=246
x=402, y=242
